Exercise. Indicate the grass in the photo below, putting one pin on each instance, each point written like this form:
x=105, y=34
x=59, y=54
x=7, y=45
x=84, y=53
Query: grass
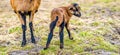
x=105, y=1
x=14, y=29
x=95, y=23
x=105, y=45
x=3, y=50
x=51, y=50
x=88, y=33
x=115, y=8
x=79, y=45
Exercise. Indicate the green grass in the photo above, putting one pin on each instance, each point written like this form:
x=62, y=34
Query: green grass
x=84, y=33
x=95, y=23
x=105, y=45
x=115, y=8
x=3, y=50
x=14, y=29
x=3, y=53
x=52, y=50
x=79, y=44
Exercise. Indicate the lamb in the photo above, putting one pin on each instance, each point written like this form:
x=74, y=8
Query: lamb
x=60, y=17
x=23, y=8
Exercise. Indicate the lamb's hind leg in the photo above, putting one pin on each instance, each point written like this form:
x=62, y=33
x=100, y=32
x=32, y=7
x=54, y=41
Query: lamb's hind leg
x=61, y=34
x=52, y=26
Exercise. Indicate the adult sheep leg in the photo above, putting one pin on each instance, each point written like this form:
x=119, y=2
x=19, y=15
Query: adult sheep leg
x=31, y=15
x=22, y=18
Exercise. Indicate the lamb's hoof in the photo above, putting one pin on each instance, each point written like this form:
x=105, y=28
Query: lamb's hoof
x=33, y=41
x=23, y=44
x=71, y=38
x=45, y=48
x=61, y=47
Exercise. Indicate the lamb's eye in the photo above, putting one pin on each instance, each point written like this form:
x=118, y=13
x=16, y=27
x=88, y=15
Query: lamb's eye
x=71, y=8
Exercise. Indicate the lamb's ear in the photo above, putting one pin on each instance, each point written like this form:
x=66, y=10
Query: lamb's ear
x=75, y=4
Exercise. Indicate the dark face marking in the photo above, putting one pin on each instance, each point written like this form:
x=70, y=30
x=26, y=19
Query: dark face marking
x=76, y=9
x=31, y=0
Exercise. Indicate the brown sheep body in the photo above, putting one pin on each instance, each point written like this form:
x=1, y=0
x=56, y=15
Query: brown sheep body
x=60, y=17
x=23, y=8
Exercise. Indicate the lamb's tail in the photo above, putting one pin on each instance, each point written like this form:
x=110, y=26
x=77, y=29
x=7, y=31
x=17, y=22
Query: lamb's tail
x=56, y=19
x=53, y=24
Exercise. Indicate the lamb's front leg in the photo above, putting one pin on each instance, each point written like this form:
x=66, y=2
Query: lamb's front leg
x=68, y=30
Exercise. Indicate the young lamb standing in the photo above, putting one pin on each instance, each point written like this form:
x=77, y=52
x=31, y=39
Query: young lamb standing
x=60, y=17
x=23, y=8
